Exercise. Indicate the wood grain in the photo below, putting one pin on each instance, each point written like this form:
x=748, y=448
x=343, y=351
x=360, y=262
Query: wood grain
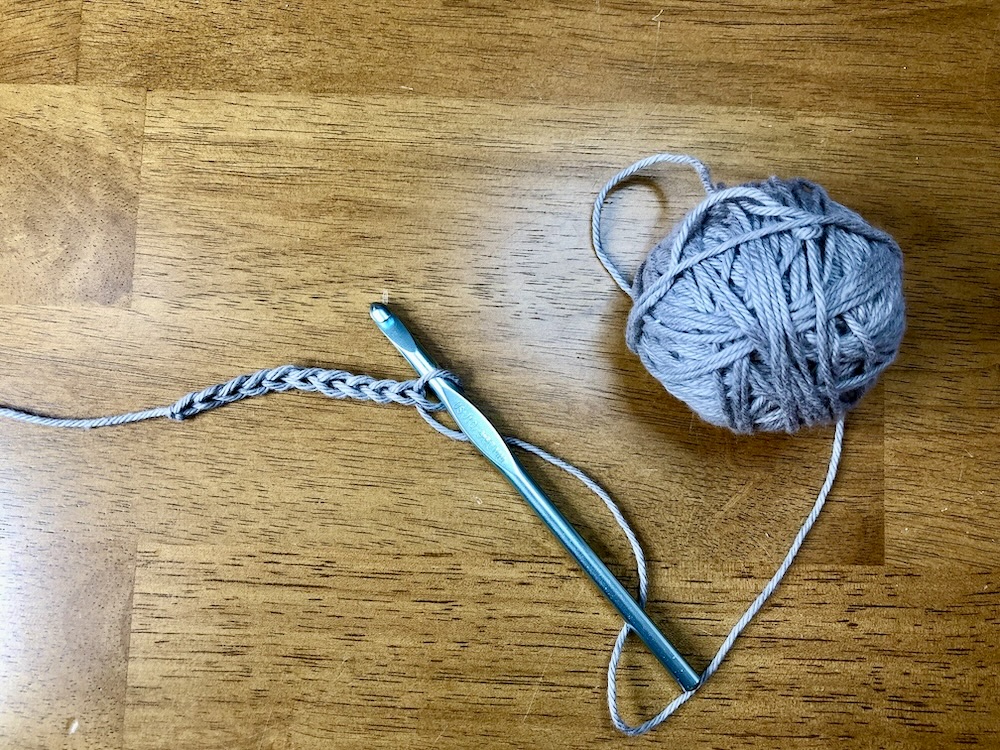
x=228, y=187
x=39, y=41
x=69, y=239
x=863, y=55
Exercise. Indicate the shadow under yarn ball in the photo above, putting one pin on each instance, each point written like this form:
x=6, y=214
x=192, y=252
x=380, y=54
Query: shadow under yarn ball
x=770, y=307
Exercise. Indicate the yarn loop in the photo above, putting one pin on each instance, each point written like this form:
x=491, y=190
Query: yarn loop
x=336, y=384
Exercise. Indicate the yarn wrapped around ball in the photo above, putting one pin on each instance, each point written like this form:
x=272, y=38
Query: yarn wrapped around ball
x=769, y=307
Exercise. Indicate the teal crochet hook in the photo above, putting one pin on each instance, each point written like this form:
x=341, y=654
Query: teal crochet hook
x=484, y=436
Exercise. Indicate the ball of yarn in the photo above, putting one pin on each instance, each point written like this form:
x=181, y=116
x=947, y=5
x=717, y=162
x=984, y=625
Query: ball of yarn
x=769, y=307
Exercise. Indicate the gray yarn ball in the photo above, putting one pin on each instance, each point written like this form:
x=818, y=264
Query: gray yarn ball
x=770, y=307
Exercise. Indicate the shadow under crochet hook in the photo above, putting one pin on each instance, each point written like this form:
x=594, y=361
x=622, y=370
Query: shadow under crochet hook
x=484, y=436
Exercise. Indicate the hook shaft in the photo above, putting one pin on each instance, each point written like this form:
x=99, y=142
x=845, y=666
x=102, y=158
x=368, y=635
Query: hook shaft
x=484, y=436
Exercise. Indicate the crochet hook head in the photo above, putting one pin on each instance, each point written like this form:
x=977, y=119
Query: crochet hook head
x=402, y=339
x=484, y=436
x=474, y=424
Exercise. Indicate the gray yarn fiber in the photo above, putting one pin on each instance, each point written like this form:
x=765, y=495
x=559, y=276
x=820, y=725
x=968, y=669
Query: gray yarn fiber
x=769, y=307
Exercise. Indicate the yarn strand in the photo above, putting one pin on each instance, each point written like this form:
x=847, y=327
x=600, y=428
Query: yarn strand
x=84, y=423
x=626, y=174
x=339, y=384
x=741, y=624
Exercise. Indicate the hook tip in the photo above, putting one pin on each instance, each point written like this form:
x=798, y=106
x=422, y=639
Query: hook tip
x=379, y=312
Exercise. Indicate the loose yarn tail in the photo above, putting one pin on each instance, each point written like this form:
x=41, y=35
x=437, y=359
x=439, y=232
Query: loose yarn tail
x=344, y=385
x=741, y=624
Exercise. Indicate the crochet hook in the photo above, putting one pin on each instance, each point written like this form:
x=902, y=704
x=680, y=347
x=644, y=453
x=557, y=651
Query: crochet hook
x=484, y=436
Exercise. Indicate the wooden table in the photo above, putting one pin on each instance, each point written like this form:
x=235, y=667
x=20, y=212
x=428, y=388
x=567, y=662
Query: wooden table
x=191, y=190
